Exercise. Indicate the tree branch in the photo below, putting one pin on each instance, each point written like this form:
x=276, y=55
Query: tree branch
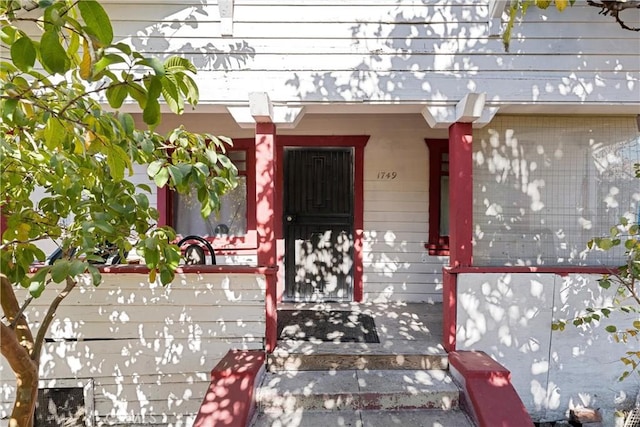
x=48, y=317
x=614, y=7
x=14, y=315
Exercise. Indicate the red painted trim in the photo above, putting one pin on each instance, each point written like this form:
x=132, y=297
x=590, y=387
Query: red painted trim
x=449, y=309
x=185, y=269
x=358, y=142
x=559, y=270
x=489, y=395
x=265, y=190
x=358, y=223
x=230, y=398
x=437, y=245
x=165, y=206
x=460, y=194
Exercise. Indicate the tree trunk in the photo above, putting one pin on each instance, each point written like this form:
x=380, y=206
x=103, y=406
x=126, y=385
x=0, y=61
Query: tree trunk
x=26, y=371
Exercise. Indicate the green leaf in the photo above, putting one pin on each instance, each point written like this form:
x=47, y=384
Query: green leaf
x=172, y=96
x=54, y=133
x=611, y=329
x=161, y=177
x=106, y=61
x=105, y=227
x=142, y=200
x=118, y=161
x=211, y=155
x=38, y=282
x=155, y=88
x=8, y=109
x=116, y=94
x=152, y=257
x=23, y=53
x=177, y=63
x=605, y=244
x=155, y=167
x=138, y=93
x=60, y=270
x=177, y=175
x=151, y=112
x=123, y=47
x=189, y=89
x=53, y=56
x=166, y=275
x=97, y=20
x=36, y=288
x=95, y=274
x=77, y=267
x=127, y=122
x=155, y=64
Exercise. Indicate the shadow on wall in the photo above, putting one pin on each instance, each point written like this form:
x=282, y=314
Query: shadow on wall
x=509, y=317
x=442, y=52
x=178, y=29
x=147, y=350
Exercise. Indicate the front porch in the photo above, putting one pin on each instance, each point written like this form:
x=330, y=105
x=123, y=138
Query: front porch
x=410, y=336
x=404, y=379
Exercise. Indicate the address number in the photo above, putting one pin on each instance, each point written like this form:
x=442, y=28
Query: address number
x=387, y=175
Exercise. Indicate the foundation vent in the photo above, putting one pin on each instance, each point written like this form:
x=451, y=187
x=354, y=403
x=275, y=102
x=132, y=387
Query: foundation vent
x=64, y=405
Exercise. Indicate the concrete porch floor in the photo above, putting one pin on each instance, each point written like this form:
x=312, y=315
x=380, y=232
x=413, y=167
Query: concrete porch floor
x=410, y=338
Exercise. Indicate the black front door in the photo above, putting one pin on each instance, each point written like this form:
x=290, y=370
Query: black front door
x=318, y=224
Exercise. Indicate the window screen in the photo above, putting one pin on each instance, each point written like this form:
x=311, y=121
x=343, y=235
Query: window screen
x=544, y=186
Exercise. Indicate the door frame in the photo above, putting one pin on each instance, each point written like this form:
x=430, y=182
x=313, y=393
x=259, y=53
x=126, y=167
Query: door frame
x=357, y=142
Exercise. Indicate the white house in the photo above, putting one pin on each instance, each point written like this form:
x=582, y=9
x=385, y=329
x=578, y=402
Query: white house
x=400, y=147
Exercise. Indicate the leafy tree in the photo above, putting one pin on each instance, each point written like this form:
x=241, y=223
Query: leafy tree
x=626, y=280
x=56, y=137
x=518, y=9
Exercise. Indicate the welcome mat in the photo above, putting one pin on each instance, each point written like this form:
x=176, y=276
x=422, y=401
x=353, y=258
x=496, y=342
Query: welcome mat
x=332, y=326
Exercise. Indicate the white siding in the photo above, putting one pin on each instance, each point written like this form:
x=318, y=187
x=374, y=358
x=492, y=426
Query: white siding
x=383, y=50
x=149, y=349
x=509, y=317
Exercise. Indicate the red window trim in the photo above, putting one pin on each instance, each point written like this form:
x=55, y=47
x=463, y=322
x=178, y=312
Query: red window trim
x=249, y=240
x=437, y=245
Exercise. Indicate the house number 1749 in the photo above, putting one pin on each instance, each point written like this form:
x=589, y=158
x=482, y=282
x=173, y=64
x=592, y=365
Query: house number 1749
x=387, y=175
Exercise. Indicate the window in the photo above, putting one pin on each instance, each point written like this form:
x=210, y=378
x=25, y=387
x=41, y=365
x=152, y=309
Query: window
x=234, y=225
x=438, y=243
x=544, y=186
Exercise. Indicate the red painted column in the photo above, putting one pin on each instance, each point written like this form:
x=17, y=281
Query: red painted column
x=460, y=222
x=449, y=292
x=460, y=194
x=265, y=221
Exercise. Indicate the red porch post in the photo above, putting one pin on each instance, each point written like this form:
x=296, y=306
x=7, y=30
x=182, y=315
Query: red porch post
x=460, y=194
x=460, y=221
x=265, y=221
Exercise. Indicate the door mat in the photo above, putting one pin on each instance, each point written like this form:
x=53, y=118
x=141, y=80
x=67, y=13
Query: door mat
x=330, y=326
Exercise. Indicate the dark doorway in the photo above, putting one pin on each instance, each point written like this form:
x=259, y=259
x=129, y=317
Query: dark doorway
x=318, y=224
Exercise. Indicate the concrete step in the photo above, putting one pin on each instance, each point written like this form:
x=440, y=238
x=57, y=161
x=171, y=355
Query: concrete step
x=289, y=392
x=292, y=356
x=371, y=418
